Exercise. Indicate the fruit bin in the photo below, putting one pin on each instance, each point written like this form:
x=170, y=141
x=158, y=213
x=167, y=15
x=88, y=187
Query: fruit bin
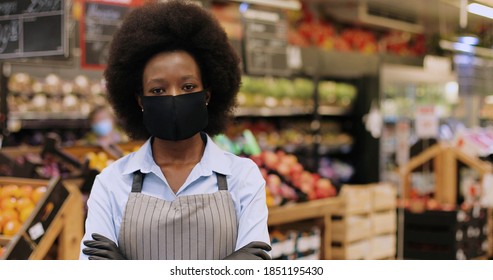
x=320, y=210
x=57, y=214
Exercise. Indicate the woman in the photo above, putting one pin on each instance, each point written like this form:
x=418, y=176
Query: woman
x=172, y=78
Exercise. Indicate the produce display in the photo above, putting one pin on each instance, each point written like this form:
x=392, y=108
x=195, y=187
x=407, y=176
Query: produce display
x=53, y=95
x=16, y=205
x=99, y=160
x=293, y=136
x=287, y=180
x=274, y=92
x=309, y=29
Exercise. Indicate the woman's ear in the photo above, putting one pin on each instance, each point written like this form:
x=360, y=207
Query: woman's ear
x=139, y=100
x=207, y=97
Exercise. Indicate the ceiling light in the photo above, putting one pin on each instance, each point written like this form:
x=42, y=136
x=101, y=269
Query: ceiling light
x=468, y=39
x=480, y=10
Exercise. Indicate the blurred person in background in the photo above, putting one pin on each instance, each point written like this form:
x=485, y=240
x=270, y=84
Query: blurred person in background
x=104, y=132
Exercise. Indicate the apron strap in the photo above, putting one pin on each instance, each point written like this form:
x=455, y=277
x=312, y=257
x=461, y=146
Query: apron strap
x=137, y=182
x=221, y=182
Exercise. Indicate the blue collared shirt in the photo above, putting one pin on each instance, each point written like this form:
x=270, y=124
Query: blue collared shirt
x=109, y=194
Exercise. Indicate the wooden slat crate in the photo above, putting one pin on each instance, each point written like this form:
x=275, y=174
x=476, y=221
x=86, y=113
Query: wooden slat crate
x=383, y=222
x=59, y=210
x=358, y=250
x=350, y=228
x=384, y=196
x=383, y=247
x=356, y=199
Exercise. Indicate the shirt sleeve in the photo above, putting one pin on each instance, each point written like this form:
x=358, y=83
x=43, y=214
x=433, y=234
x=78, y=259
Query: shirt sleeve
x=99, y=215
x=252, y=224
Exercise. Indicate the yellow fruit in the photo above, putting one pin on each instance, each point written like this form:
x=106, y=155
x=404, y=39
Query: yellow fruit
x=8, y=203
x=23, y=203
x=8, y=215
x=25, y=213
x=9, y=191
x=26, y=190
x=11, y=228
x=38, y=194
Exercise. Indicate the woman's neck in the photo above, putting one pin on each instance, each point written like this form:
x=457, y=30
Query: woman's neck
x=181, y=152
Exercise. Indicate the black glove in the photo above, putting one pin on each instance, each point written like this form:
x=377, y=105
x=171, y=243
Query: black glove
x=253, y=251
x=102, y=248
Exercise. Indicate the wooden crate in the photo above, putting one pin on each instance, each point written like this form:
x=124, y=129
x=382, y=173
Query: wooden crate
x=358, y=250
x=59, y=210
x=81, y=152
x=383, y=247
x=384, y=196
x=383, y=222
x=350, y=228
x=320, y=210
x=356, y=199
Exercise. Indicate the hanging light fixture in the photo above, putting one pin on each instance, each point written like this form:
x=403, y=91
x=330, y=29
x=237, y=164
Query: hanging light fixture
x=464, y=37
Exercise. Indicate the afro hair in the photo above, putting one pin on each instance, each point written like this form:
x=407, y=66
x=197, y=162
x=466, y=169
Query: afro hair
x=171, y=26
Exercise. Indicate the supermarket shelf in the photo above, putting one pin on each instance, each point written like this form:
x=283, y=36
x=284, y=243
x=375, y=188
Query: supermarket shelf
x=327, y=110
x=290, y=111
x=272, y=111
x=302, y=211
x=40, y=120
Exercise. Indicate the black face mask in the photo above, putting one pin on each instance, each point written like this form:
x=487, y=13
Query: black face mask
x=175, y=117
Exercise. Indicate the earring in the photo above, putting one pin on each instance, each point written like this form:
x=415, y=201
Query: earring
x=206, y=103
x=142, y=109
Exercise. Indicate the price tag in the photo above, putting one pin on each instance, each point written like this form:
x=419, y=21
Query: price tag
x=36, y=231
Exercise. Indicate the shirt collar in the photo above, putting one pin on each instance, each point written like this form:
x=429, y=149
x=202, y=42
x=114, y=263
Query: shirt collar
x=213, y=160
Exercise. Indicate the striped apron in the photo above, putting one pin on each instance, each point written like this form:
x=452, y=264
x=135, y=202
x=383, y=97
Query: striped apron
x=202, y=226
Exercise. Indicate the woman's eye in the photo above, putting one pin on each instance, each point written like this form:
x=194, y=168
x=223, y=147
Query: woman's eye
x=189, y=87
x=157, y=91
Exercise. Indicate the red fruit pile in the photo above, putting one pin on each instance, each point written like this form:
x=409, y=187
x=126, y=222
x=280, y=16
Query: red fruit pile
x=286, y=179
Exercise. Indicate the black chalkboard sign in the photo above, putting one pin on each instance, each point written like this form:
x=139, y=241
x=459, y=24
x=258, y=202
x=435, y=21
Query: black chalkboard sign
x=101, y=20
x=30, y=28
x=265, y=41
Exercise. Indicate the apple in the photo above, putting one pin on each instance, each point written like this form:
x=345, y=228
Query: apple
x=257, y=159
x=283, y=169
x=288, y=192
x=306, y=187
x=312, y=195
x=432, y=204
x=271, y=160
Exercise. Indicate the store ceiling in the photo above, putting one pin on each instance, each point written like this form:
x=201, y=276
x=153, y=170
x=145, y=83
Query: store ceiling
x=432, y=15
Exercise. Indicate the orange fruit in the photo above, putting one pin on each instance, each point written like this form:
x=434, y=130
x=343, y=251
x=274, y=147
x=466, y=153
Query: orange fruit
x=2, y=221
x=22, y=203
x=25, y=213
x=37, y=194
x=2, y=250
x=9, y=191
x=26, y=190
x=8, y=203
x=11, y=228
x=9, y=215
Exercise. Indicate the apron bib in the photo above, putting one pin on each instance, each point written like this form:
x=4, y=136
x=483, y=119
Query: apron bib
x=194, y=227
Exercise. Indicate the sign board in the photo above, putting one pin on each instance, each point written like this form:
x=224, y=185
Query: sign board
x=32, y=28
x=265, y=41
x=426, y=122
x=100, y=20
